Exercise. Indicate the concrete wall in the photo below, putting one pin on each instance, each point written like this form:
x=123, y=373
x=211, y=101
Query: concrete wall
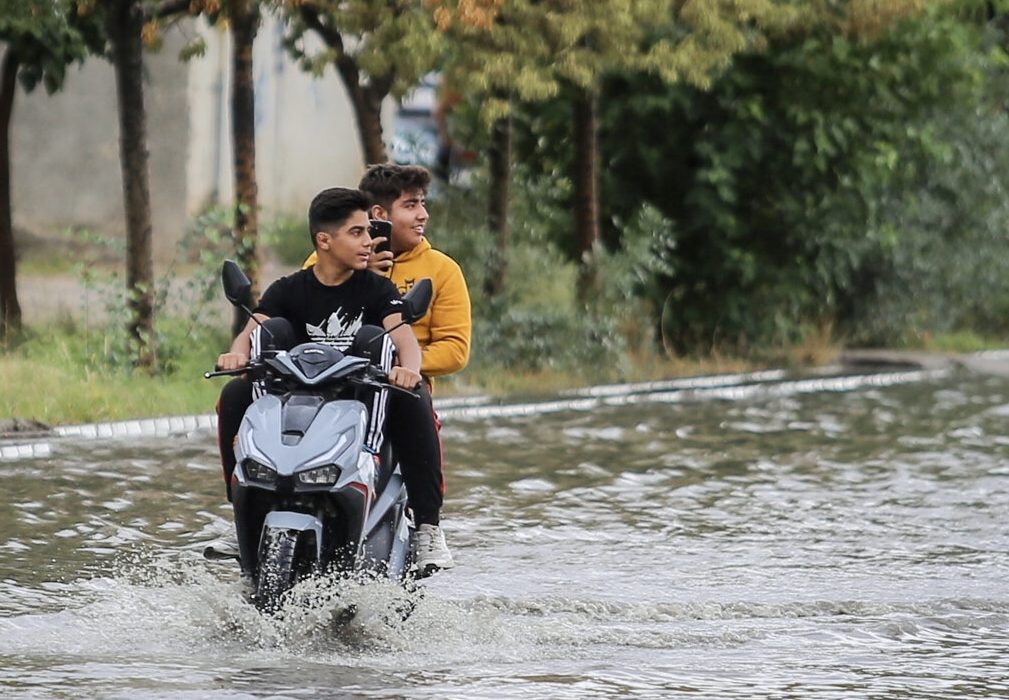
x=65, y=147
x=65, y=151
x=306, y=136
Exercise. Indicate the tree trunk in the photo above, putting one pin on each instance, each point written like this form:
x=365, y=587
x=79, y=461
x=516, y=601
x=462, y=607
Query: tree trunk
x=368, y=111
x=244, y=25
x=365, y=98
x=586, y=191
x=10, y=309
x=366, y=101
x=124, y=23
x=497, y=214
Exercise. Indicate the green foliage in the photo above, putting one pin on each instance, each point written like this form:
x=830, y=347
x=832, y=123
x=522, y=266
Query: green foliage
x=793, y=182
x=393, y=42
x=833, y=181
x=947, y=272
x=194, y=48
x=52, y=377
x=529, y=51
x=47, y=36
x=628, y=274
x=536, y=323
x=186, y=297
x=287, y=237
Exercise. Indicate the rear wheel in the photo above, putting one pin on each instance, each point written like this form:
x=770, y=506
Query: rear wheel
x=277, y=568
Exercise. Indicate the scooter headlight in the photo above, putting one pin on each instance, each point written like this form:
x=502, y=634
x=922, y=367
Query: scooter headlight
x=320, y=476
x=257, y=471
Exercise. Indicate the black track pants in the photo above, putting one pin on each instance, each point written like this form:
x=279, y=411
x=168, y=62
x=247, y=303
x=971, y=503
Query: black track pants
x=410, y=427
x=236, y=397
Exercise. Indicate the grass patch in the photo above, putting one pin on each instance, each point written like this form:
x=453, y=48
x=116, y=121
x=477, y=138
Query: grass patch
x=68, y=376
x=962, y=341
x=62, y=377
x=67, y=396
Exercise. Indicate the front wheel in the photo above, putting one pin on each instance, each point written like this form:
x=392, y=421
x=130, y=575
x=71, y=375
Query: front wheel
x=277, y=568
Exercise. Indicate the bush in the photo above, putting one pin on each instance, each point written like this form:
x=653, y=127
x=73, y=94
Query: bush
x=188, y=307
x=286, y=236
x=850, y=190
x=536, y=323
x=827, y=183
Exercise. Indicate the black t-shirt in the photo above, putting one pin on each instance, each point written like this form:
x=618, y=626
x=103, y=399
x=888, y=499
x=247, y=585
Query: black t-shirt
x=330, y=315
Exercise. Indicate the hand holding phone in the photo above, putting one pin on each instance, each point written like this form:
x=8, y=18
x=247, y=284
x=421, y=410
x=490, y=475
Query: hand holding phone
x=381, y=253
x=379, y=228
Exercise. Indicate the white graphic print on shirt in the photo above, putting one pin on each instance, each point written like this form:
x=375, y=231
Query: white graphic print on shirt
x=336, y=331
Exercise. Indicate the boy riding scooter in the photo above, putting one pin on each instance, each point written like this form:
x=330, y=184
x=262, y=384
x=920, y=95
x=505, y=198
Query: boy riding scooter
x=327, y=303
x=399, y=195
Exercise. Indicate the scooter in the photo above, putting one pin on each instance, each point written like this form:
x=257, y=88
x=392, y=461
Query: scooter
x=309, y=496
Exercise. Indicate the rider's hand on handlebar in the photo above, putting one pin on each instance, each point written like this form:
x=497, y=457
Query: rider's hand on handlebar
x=380, y=261
x=232, y=360
x=404, y=377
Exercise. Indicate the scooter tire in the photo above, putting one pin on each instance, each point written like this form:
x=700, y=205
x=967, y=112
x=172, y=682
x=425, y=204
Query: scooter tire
x=277, y=570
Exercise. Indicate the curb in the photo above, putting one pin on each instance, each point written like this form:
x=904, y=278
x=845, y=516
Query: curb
x=146, y=427
x=709, y=387
x=916, y=366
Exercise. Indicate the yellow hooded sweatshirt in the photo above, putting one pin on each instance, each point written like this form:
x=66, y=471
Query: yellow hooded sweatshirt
x=444, y=332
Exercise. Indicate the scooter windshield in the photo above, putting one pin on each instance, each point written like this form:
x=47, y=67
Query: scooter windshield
x=315, y=363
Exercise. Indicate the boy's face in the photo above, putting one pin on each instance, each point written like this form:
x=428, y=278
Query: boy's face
x=408, y=217
x=349, y=245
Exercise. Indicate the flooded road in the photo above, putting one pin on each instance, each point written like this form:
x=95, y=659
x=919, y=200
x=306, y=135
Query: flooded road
x=788, y=540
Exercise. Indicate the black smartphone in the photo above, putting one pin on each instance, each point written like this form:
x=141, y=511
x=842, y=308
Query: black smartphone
x=380, y=227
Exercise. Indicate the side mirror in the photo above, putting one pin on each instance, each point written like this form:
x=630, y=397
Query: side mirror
x=237, y=287
x=417, y=300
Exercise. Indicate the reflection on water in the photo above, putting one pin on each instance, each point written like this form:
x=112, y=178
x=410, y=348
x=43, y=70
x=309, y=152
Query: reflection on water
x=813, y=544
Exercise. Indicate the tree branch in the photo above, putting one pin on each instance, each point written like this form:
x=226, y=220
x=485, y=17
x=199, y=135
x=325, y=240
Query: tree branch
x=345, y=64
x=311, y=16
x=168, y=8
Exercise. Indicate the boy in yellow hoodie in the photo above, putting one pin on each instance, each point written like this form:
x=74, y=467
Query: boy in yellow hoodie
x=398, y=194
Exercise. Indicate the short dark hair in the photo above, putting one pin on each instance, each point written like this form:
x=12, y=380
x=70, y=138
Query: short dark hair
x=386, y=182
x=332, y=207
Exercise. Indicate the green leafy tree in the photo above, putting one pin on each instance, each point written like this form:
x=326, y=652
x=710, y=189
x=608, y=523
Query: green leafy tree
x=128, y=24
x=124, y=25
x=807, y=186
x=378, y=49
x=242, y=17
x=536, y=50
x=474, y=28
x=42, y=38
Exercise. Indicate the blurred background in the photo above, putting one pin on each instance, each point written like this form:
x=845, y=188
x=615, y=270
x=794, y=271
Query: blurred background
x=632, y=188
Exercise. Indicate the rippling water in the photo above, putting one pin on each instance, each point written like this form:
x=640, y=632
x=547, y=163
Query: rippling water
x=775, y=545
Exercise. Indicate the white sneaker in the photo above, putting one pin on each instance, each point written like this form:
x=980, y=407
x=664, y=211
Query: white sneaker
x=224, y=548
x=432, y=552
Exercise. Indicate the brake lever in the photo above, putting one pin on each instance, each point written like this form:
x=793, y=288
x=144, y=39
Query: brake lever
x=383, y=377
x=238, y=371
x=378, y=383
x=225, y=372
x=409, y=392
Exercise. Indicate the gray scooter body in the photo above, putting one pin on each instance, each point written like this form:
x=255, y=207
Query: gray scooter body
x=308, y=494
x=304, y=472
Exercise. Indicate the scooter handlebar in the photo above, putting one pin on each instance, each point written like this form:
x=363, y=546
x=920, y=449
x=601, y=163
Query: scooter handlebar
x=225, y=372
x=377, y=380
x=409, y=392
x=380, y=380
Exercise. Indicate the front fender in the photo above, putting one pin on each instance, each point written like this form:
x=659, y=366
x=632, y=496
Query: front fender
x=301, y=522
